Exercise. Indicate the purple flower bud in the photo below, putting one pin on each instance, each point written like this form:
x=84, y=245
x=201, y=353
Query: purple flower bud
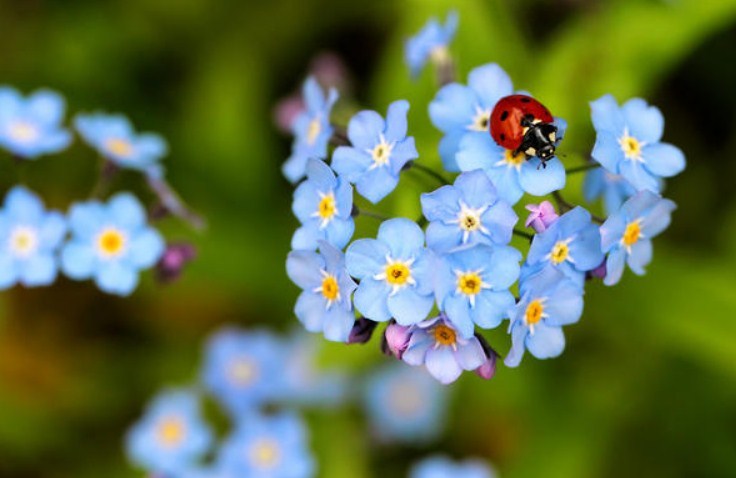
x=396, y=339
x=175, y=257
x=330, y=71
x=362, y=331
x=286, y=111
x=541, y=216
x=599, y=272
x=488, y=370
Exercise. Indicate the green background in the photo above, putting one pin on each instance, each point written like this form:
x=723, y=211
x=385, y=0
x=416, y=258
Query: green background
x=647, y=385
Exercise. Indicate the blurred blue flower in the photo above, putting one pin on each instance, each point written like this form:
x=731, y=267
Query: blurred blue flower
x=268, y=447
x=171, y=436
x=115, y=139
x=613, y=188
x=458, y=110
x=311, y=128
x=431, y=42
x=405, y=404
x=31, y=127
x=549, y=300
x=244, y=369
x=628, y=142
x=395, y=273
x=110, y=243
x=512, y=174
x=571, y=244
x=442, y=467
x=626, y=235
x=437, y=344
x=379, y=151
x=31, y=237
x=469, y=212
x=472, y=286
x=323, y=204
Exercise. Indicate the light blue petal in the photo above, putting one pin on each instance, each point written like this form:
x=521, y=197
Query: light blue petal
x=306, y=201
x=47, y=107
x=307, y=237
x=339, y=232
x=663, y=159
x=376, y=184
x=403, y=237
x=471, y=355
x=442, y=237
x=416, y=352
x=38, y=270
x=565, y=306
x=370, y=300
x=503, y=268
x=492, y=307
x=126, y=211
x=78, y=260
x=448, y=147
x=313, y=96
x=638, y=176
x=441, y=204
x=116, y=278
x=350, y=163
x=586, y=250
x=338, y=324
x=295, y=167
x=658, y=218
x=442, y=365
x=311, y=310
x=344, y=199
x=608, y=152
x=457, y=308
x=540, y=181
x=365, y=129
x=303, y=268
x=500, y=219
x=478, y=151
x=611, y=232
x=23, y=205
x=491, y=83
x=396, y=123
x=146, y=248
x=366, y=258
x=476, y=188
x=640, y=256
x=607, y=116
x=321, y=175
x=151, y=146
x=545, y=342
x=645, y=122
x=507, y=182
x=452, y=108
x=402, y=153
x=594, y=184
x=408, y=307
x=615, y=266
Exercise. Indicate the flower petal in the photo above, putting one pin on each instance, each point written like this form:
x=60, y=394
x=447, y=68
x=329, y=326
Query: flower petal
x=545, y=342
x=442, y=365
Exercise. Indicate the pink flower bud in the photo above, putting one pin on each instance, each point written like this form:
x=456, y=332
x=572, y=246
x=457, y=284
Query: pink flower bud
x=542, y=216
x=488, y=370
x=599, y=272
x=175, y=257
x=396, y=339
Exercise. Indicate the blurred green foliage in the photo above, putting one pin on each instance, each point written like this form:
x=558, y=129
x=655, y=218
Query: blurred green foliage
x=647, y=385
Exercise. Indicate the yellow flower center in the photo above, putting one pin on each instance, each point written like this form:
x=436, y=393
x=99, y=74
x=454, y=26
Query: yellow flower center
x=23, y=132
x=469, y=283
x=327, y=208
x=632, y=234
x=560, y=252
x=481, y=120
x=470, y=222
x=171, y=431
x=330, y=289
x=397, y=273
x=111, y=242
x=444, y=335
x=631, y=147
x=23, y=241
x=439, y=54
x=265, y=453
x=119, y=147
x=534, y=312
x=313, y=130
x=515, y=160
x=381, y=154
x=242, y=371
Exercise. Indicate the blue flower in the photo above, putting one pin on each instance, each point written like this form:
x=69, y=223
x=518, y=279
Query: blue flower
x=31, y=237
x=268, y=447
x=626, y=235
x=379, y=152
x=311, y=129
x=549, y=300
x=405, y=404
x=472, y=286
x=469, y=212
x=395, y=273
x=613, y=188
x=325, y=304
x=431, y=42
x=323, y=204
x=171, y=436
x=32, y=127
x=512, y=174
x=458, y=110
x=438, y=345
x=628, y=143
x=571, y=244
x=110, y=243
x=441, y=467
x=115, y=139
x=244, y=369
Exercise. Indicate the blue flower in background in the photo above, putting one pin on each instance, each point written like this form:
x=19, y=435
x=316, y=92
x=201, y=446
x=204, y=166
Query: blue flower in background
x=115, y=139
x=405, y=404
x=626, y=235
x=379, y=151
x=469, y=212
x=110, y=243
x=323, y=204
x=458, y=110
x=431, y=42
x=613, y=188
x=512, y=174
x=268, y=447
x=438, y=345
x=628, y=143
x=325, y=304
x=395, y=273
x=171, y=436
x=472, y=286
x=443, y=467
x=244, y=369
x=311, y=128
x=571, y=244
x=30, y=238
x=31, y=127
x=549, y=300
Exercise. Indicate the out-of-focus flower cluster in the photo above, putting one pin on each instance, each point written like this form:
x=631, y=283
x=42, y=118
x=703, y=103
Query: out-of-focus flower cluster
x=439, y=280
x=108, y=241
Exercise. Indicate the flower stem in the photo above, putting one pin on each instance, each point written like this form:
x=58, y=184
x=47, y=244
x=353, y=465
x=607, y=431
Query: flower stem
x=523, y=234
x=428, y=171
x=580, y=169
x=339, y=136
x=362, y=212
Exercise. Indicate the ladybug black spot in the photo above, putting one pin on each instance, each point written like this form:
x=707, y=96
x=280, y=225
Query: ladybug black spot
x=504, y=115
x=503, y=137
x=525, y=100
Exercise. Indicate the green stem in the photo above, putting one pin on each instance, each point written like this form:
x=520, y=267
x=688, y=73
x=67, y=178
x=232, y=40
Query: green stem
x=374, y=215
x=524, y=234
x=580, y=169
x=430, y=172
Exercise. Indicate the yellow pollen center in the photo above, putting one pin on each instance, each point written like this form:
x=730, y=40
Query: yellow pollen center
x=559, y=252
x=242, y=371
x=632, y=234
x=514, y=159
x=631, y=147
x=119, y=147
x=469, y=283
x=23, y=132
x=397, y=274
x=439, y=54
x=327, y=208
x=23, y=241
x=265, y=453
x=381, y=153
x=111, y=242
x=313, y=130
x=444, y=335
x=534, y=312
x=330, y=289
x=470, y=222
x=171, y=431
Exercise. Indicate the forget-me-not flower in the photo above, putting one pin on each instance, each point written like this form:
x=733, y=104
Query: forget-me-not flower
x=110, y=243
x=379, y=151
x=394, y=272
x=311, y=128
x=443, y=467
x=30, y=237
x=613, y=188
x=626, y=236
x=549, y=300
x=430, y=43
x=469, y=212
x=472, y=285
x=628, y=143
x=324, y=305
x=323, y=204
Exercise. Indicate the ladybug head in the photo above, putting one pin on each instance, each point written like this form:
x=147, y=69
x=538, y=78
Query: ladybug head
x=546, y=152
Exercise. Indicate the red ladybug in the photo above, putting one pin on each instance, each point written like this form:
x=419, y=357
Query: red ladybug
x=522, y=124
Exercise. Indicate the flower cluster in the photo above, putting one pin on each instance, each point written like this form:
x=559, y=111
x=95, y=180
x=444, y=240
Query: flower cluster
x=109, y=241
x=440, y=280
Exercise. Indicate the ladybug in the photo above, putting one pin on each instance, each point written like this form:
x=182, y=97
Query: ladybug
x=522, y=124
